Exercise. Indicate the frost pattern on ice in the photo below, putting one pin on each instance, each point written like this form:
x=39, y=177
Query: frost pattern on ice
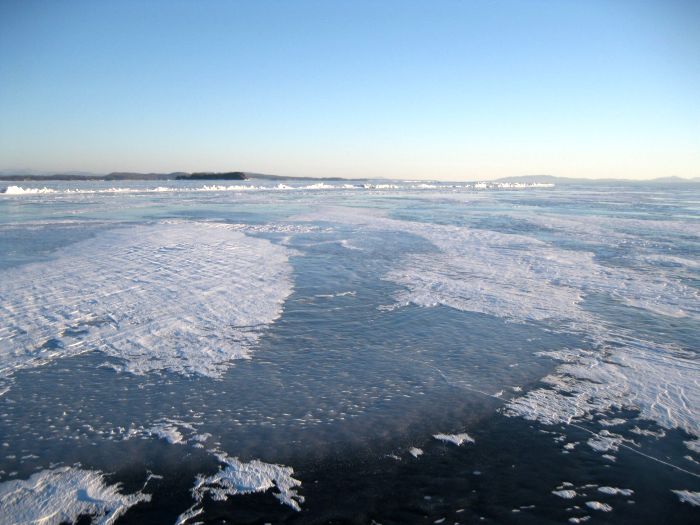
x=62, y=495
x=185, y=297
x=237, y=477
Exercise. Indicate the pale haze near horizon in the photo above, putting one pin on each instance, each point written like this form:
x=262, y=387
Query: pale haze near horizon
x=415, y=90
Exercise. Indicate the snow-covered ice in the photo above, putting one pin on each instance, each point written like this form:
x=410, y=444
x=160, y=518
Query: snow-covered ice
x=185, y=297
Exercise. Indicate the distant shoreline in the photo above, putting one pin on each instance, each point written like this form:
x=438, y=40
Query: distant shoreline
x=179, y=175
x=242, y=175
x=232, y=175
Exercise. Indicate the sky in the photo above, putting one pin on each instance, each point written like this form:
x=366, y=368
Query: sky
x=453, y=90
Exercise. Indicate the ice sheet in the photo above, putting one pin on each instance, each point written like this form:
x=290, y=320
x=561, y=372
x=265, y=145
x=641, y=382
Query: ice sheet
x=516, y=277
x=523, y=279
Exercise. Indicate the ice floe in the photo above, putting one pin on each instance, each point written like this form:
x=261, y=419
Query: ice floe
x=62, y=495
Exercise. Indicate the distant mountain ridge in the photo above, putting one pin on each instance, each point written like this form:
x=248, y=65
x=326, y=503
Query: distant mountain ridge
x=572, y=180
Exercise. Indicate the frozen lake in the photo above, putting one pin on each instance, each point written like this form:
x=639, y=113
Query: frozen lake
x=249, y=352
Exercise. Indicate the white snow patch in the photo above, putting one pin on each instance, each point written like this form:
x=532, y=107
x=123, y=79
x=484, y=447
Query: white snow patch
x=605, y=441
x=237, y=477
x=415, y=452
x=19, y=190
x=170, y=431
x=187, y=298
x=597, y=505
x=661, y=382
x=646, y=432
x=687, y=496
x=566, y=494
x=457, y=439
x=693, y=445
x=62, y=495
x=613, y=491
x=612, y=422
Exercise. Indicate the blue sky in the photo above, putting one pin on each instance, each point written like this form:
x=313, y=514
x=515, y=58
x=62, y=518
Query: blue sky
x=436, y=90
